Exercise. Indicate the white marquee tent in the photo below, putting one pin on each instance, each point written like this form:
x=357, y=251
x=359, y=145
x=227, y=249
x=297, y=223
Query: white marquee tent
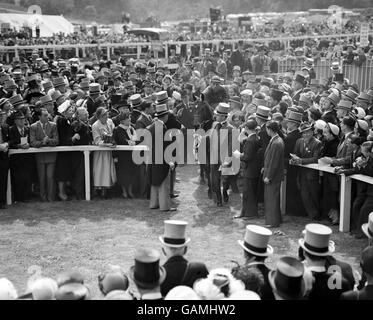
x=48, y=24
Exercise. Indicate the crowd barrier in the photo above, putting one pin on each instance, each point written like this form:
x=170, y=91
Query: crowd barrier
x=345, y=181
x=344, y=192
x=136, y=49
x=86, y=151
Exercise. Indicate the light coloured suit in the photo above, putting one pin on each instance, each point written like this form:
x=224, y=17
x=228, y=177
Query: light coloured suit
x=45, y=162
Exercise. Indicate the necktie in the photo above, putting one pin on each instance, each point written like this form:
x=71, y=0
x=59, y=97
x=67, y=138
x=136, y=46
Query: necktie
x=22, y=132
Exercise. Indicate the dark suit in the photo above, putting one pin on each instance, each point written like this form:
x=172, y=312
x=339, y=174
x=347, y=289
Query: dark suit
x=250, y=174
x=346, y=270
x=215, y=159
x=309, y=152
x=237, y=59
x=176, y=268
x=4, y=165
x=274, y=171
x=20, y=166
x=266, y=292
x=159, y=171
x=364, y=294
x=144, y=188
x=294, y=205
x=344, y=152
x=264, y=139
x=45, y=162
x=296, y=96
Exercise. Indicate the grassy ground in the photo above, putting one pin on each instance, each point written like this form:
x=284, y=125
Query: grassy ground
x=91, y=236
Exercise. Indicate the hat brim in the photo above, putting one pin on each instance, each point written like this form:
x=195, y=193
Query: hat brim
x=271, y=279
x=147, y=285
x=331, y=249
x=295, y=121
x=160, y=114
x=174, y=245
x=306, y=129
x=262, y=117
x=265, y=254
x=220, y=114
x=364, y=227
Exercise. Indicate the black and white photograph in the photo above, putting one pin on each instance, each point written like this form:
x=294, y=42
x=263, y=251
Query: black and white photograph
x=186, y=150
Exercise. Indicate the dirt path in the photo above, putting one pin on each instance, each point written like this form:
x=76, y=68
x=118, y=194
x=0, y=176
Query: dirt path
x=91, y=236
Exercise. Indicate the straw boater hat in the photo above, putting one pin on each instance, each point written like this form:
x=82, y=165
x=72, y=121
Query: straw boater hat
x=256, y=241
x=345, y=105
x=364, y=97
x=287, y=280
x=368, y=227
x=222, y=109
x=308, y=62
x=316, y=240
x=47, y=85
x=295, y=117
x=236, y=100
x=59, y=82
x=10, y=85
x=333, y=98
x=162, y=97
x=56, y=95
x=174, y=234
x=350, y=95
x=135, y=100
x=16, y=100
x=94, y=88
x=335, y=66
x=46, y=99
x=147, y=273
x=160, y=110
x=263, y=113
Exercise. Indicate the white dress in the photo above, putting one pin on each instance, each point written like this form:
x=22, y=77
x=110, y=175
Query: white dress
x=104, y=174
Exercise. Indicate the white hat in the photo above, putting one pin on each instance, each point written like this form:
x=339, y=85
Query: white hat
x=43, y=289
x=246, y=92
x=256, y=241
x=64, y=106
x=362, y=124
x=176, y=95
x=368, y=227
x=333, y=128
x=7, y=290
x=320, y=124
x=317, y=241
x=182, y=293
x=360, y=112
x=174, y=234
x=244, y=295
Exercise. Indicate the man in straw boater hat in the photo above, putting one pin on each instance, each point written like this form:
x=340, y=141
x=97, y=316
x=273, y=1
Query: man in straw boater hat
x=294, y=205
x=288, y=279
x=179, y=270
x=307, y=150
x=317, y=249
x=256, y=251
x=220, y=158
x=147, y=274
x=93, y=99
x=159, y=169
x=135, y=100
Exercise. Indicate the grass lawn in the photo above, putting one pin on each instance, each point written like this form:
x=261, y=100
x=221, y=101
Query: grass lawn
x=92, y=236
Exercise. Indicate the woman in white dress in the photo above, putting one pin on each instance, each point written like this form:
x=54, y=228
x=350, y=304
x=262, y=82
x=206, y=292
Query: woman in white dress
x=104, y=175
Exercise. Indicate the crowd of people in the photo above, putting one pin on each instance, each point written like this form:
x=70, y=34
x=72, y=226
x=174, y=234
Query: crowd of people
x=282, y=121
x=314, y=275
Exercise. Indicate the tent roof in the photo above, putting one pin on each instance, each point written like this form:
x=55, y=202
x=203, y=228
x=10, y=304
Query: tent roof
x=48, y=24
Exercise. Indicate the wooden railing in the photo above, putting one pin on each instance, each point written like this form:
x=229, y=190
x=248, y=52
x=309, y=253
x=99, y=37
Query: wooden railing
x=86, y=151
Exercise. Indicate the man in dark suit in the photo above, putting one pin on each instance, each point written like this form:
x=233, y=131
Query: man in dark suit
x=307, y=150
x=273, y=173
x=4, y=161
x=43, y=133
x=259, y=61
x=256, y=251
x=298, y=86
x=250, y=168
x=220, y=158
x=366, y=293
x=20, y=163
x=294, y=205
x=160, y=169
x=178, y=270
x=144, y=121
x=237, y=57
